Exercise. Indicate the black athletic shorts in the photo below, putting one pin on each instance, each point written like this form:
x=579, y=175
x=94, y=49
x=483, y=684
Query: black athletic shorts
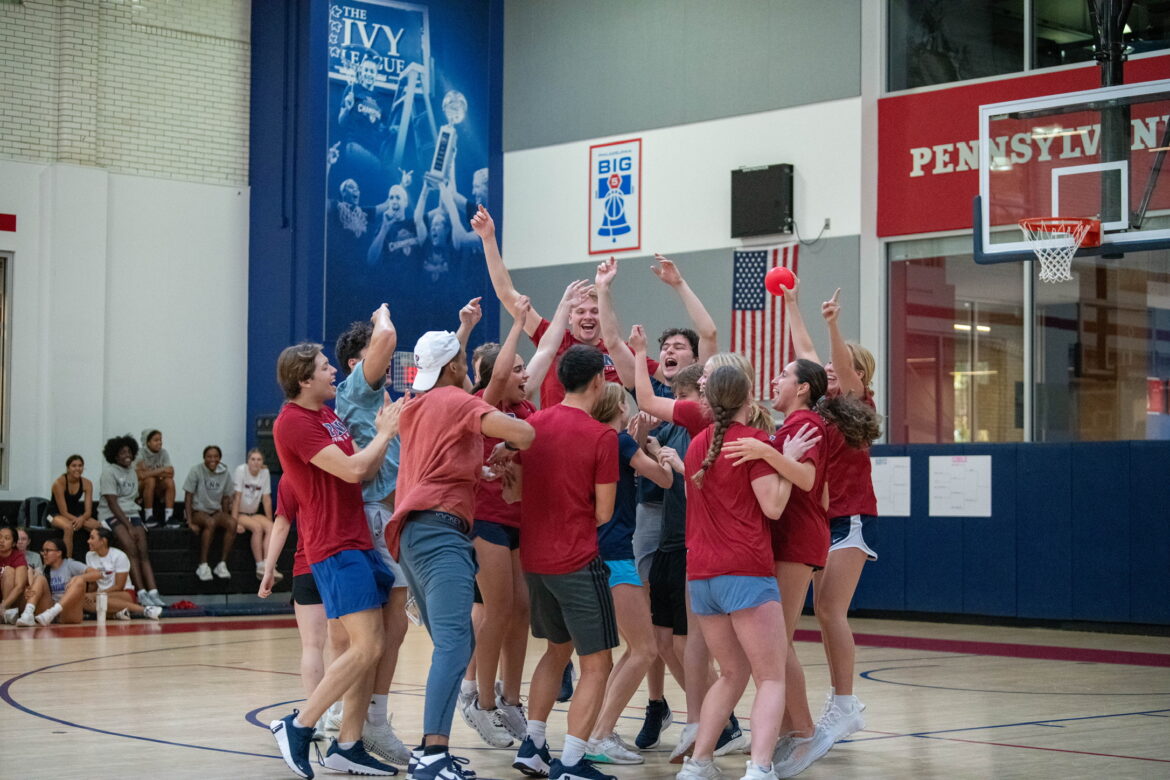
x=668, y=586
x=304, y=590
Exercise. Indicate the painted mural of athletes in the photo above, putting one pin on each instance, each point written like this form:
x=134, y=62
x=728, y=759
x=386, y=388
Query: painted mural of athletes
x=407, y=160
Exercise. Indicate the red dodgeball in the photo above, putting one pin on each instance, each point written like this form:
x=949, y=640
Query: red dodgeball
x=779, y=278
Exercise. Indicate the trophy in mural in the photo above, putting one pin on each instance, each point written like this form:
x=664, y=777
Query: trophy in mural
x=455, y=109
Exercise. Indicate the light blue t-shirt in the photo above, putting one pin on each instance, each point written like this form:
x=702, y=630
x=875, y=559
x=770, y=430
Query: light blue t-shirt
x=357, y=405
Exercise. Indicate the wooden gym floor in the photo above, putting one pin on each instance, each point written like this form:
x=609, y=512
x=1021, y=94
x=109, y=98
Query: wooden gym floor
x=192, y=698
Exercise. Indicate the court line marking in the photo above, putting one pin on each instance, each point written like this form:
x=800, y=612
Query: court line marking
x=1051, y=749
x=868, y=675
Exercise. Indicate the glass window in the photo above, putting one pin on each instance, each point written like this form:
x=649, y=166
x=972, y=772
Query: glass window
x=1064, y=32
x=956, y=346
x=939, y=41
x=1103, y=351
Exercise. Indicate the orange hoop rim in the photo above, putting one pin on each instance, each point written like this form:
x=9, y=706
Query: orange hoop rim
x=1089, y=228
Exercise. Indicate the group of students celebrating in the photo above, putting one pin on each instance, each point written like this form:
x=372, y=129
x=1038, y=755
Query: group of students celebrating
x=682, y=521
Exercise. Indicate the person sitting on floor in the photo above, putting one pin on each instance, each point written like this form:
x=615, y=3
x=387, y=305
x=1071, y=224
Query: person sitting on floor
x=58, y=591
x=209, y=492
x=109, y=567
x=13, y=575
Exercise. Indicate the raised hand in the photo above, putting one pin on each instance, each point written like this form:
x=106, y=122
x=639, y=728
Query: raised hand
x=637, y=340
x=521, y=308
x=471, y=314
x=482, y=223
x=576, y=291
x=387, y=418
x=666, y=270
x=831, y=309
x=792, y=294
x=796, y=445
x=606, y=272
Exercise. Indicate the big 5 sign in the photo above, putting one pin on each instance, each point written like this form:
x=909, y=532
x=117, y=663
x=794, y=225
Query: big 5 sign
x=615, y=197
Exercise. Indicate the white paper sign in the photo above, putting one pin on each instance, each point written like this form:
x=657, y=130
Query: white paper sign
x=891, y=485
x=615, y=197
x=960, y=486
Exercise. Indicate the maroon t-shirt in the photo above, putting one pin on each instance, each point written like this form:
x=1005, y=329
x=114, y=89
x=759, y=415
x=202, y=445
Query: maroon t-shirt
x=286, y=505
x=489, y=494
x=552, y=392
x=850, y=476
x=329, y=512
x=727, y=531
x=14, y=559
x=691, y=415
x=572, y=452
x=802, y=533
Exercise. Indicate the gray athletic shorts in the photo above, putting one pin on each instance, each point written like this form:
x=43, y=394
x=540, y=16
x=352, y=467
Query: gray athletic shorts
x=377, y=516
x=576, y=606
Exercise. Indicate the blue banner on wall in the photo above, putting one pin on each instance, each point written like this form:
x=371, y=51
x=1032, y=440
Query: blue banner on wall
x=409, y=118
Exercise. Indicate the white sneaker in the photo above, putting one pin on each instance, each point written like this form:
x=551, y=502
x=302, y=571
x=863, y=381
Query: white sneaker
x=512, y=715
x=10, y=615
x=693, y=770
x=221, y=571
x=381, y=739
x=152, y=612
x=489, y=725
x=804, y=752
x=464, y=701
x=610, y=750
x=783, y=748
x=122, y=614
x=49, y=615
x=144, y=599
x=155, y=599
x=753, y=772
x=841, y=721
x=203, y=572
x=26, y=618
x=686, y=743
x=333, y=716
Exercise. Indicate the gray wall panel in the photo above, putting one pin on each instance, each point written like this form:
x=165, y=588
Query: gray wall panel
x=640, y=297
x=577, y=70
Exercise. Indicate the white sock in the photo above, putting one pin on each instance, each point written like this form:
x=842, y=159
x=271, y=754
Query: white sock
x=468, y=687
x=573, y=751
x=168, y=513
x=536, y=729
x=52, y=612
x=260, y=565
x=377, y=711
x=762, y=769
x=346, y=745
x=298, y=724
x=846, y=703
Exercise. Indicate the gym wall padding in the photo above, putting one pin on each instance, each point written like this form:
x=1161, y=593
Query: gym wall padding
x=1078, y=531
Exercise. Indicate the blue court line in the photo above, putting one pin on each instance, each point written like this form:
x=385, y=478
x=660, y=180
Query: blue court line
x=1046, y=722
x=869, y=675
x=6, y=696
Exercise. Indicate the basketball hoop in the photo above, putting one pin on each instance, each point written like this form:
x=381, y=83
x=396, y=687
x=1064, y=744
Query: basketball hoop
x=1056, y=239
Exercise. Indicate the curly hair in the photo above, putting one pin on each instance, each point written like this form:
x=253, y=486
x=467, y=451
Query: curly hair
x=609, y=403
x=486, y=355
x=115, y=445
x=728, y=390
x=351, y=342
x=857, y=421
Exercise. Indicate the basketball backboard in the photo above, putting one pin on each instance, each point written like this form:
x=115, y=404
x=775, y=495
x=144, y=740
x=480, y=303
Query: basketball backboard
x=1098, y=153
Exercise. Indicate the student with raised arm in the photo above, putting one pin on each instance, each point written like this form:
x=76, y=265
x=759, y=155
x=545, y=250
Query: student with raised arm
x=364, y=351
x=584, y=326
x=325, y=469
x=442, y=434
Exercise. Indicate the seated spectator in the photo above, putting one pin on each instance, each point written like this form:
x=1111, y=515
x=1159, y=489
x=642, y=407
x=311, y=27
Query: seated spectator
x=32, y=558
x=118, y=511
x=72, y=502
x=58, y=591
x=209, y=492
x=252, y=507
x=13, y=575
x=156, y=477
x=108, y=567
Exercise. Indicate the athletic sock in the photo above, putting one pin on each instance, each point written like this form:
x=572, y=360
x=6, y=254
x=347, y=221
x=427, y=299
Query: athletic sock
x=468, y=687
x=536, y=730
x=346, y=745
x=573, y=751
x=377, y=711
x=844, y=702
x=432, y=750
x=149, y=515
x=168, y=514
x=298, y=724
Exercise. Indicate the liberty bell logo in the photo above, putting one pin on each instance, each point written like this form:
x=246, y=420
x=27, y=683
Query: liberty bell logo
x=614, y=189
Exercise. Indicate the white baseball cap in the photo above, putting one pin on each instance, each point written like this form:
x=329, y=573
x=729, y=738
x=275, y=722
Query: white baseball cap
x=435, y=349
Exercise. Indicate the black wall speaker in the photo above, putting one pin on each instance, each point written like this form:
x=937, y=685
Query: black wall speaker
x=761, y=200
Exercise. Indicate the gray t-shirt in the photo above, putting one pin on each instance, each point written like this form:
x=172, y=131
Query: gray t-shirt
x=209, y=488
x=59, y=577
x=120, y=482
x=153, y=460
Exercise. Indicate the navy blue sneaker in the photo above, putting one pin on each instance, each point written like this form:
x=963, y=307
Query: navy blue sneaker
x=732, y=738
x=567, y=683
x=532, y=760
x=355, y=761
x=658, y=719
x=441, y=766
x=582, y=770
x=293, y=742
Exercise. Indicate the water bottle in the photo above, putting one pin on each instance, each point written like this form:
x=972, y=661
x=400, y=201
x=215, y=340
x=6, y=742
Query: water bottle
x=103, y=603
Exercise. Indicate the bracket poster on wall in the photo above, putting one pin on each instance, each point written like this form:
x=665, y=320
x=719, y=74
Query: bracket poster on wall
x=615, y=197
x=960, y=486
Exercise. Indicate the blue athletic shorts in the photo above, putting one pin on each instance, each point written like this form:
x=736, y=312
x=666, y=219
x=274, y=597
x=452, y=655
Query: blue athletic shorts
x=858, y=531
x=496, y=533
x=730, y=593
x=623, y=573
x=352, y=581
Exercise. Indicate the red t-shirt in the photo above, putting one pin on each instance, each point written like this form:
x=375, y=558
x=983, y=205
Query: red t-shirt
x=558, y=523
x=552, y=392
x=691, y=415
x=331, y=517
x=802, y=533
x=850, y=476
x=286, y=505
x=14, y=559
x=442, y=453
x=727, y=531
x=489, y=495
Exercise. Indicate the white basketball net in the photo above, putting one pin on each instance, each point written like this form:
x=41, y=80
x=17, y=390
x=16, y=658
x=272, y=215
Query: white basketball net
x=1054, y=241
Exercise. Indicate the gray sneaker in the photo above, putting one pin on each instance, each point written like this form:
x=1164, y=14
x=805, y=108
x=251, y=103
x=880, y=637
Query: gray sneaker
x=693, y=770
x=381, y=739
x=489, y=725
x=512, y=715
x=804, y=752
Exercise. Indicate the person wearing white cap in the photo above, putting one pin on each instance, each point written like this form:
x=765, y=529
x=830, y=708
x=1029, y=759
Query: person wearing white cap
x=442, y=457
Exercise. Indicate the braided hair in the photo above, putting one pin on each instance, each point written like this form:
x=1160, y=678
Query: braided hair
x=728, y=390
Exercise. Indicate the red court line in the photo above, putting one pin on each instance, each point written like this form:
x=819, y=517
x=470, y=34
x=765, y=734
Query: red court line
x=1007, y=650
x=145, y=627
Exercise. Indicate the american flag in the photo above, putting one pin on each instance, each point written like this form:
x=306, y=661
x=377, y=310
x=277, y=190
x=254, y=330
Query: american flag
x=758, y=328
